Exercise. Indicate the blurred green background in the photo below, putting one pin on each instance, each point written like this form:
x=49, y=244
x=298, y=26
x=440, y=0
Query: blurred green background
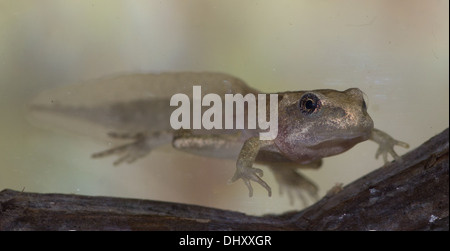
x=395, y=51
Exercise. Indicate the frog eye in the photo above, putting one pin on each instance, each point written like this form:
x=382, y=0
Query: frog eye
x=309, y=103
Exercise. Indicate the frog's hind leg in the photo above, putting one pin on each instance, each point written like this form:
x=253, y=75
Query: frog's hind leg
x=140, y=146
x=294, y=183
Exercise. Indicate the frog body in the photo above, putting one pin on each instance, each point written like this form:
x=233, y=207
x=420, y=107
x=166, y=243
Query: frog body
x=311, y=124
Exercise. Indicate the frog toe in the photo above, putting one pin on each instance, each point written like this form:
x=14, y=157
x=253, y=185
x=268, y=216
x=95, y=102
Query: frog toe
x=388, y=149
x=299, y=192
x=128, y=152
x=295, y=185
x=251, y=174
x=386, y=145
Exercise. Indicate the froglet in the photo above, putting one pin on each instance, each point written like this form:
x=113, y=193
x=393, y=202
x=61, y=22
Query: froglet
x=135, y=108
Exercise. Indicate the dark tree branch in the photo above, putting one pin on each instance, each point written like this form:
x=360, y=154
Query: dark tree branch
x=407, y=195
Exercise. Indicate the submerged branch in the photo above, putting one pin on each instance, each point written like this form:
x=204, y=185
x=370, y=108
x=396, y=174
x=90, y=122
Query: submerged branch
x=407, y=195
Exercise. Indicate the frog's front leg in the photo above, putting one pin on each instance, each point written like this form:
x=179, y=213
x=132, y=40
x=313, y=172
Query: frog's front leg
x=226, y=146
x=386, y=144
x=244, y=164
x=141, y=145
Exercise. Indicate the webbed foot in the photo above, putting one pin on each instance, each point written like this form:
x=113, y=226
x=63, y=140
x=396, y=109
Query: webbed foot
x=386, y=145
x=294, y=184
x=141, y=145
x=129, y=152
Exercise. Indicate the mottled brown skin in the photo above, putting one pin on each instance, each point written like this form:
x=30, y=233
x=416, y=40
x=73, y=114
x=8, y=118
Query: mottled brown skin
x=339, y=121
x=311, y=124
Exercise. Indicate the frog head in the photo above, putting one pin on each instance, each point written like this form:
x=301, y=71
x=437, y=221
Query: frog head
x=321, y=123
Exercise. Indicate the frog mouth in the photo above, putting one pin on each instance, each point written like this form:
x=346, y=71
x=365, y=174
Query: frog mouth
x=336, y=138
x=343, y=143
